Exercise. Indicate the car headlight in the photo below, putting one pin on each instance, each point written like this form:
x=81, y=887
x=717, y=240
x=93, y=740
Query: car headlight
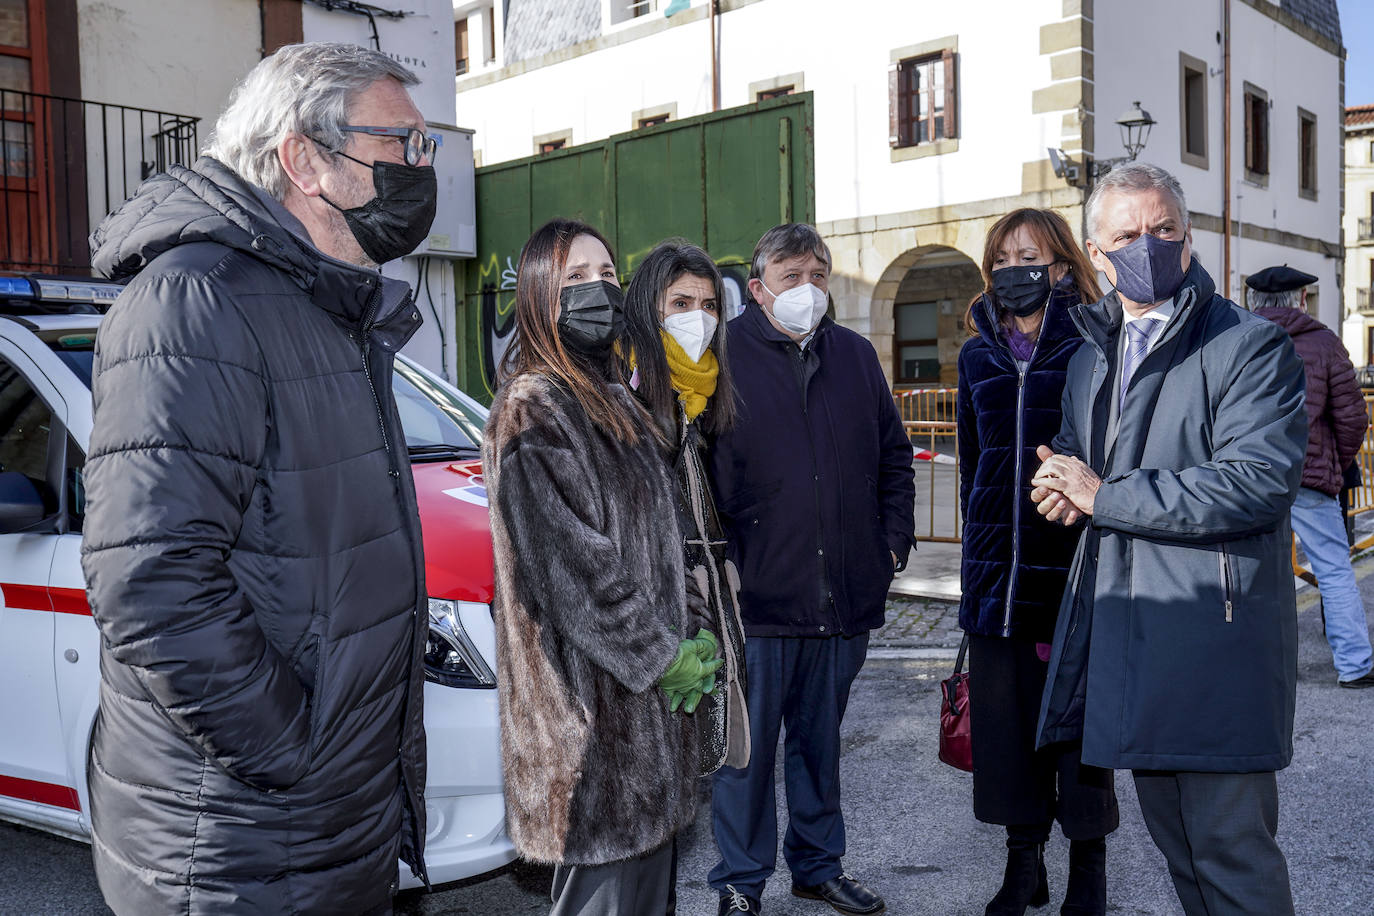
x=451, y=658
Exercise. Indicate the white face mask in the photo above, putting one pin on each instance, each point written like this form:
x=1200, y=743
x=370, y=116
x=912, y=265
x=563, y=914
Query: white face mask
x=692, y=331
x=800, y=308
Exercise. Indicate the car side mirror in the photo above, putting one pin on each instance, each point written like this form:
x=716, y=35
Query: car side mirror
x=21, y=503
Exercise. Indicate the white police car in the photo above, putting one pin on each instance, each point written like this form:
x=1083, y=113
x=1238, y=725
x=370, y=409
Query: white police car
x=49, y=657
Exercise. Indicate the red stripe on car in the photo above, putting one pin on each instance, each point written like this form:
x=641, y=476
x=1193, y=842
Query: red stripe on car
x=26, y=597
x=69, y=601
x=45, y=793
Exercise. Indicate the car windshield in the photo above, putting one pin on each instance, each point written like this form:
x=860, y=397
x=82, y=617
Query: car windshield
x=439, y=424
x=76, y=349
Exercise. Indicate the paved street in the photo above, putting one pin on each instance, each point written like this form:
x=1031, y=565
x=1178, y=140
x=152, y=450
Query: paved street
x=912, y=833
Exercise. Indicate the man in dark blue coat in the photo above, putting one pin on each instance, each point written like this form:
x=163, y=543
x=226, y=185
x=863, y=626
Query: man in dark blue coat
x=814, y=486
x=1176, y=648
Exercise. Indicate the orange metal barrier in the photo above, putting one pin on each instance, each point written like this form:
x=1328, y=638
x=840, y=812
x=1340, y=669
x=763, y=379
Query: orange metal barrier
x=928, y=414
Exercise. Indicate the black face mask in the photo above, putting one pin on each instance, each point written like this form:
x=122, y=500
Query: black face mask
x=590, y=317
x=395, y=222
x=1023, y=289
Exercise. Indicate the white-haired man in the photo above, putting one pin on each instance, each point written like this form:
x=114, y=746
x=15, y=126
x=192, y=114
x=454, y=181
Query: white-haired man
x=252, y=545
x=1182, y=446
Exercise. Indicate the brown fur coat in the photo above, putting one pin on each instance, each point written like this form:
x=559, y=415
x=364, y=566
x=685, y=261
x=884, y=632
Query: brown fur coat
x=589, y=611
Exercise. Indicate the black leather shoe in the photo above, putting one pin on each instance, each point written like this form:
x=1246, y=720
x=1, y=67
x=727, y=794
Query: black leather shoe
x=844, y=894
x=735, y=902
x=1366, y=680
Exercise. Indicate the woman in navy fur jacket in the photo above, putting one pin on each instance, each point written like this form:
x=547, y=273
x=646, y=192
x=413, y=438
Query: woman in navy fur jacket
x=1011, y=377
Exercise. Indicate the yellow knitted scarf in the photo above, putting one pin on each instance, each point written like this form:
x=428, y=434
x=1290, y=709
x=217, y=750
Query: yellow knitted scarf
x=694, y=382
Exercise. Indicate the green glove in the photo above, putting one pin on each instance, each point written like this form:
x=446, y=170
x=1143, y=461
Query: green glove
x=687, y=673
x=707, y=647
x=692, y=698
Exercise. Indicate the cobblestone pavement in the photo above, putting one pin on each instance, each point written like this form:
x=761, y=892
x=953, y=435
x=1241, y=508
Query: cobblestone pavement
x=919, y=623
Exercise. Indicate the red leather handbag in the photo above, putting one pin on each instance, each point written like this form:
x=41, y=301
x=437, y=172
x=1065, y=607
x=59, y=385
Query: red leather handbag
x=956, y=744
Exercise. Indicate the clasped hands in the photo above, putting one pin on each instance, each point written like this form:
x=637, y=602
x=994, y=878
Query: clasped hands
x=1064, y=487
x=692, y=674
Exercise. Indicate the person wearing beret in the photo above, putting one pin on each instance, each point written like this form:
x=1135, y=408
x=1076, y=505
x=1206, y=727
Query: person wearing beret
x=1336, y=421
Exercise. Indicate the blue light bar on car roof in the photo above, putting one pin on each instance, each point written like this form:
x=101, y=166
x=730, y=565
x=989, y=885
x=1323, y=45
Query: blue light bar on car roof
x=16, y=287
x=79, y=292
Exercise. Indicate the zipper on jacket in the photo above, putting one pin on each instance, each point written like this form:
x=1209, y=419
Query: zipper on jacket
x=1016, y=492
x=1225, y=581
x=365, y=346
x=369, y=319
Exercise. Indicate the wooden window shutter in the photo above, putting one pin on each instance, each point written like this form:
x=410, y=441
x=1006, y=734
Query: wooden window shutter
x=894, y=105
x=1250, y=132
x=951, y=95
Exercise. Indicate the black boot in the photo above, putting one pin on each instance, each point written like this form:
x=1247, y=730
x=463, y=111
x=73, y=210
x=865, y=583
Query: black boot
x=1087, y=893
x=1024, y=883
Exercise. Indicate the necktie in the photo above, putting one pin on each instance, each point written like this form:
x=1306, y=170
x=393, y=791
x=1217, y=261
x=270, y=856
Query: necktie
x=1137, y=342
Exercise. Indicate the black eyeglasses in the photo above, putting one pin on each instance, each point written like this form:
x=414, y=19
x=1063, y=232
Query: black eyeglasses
x=415, y=141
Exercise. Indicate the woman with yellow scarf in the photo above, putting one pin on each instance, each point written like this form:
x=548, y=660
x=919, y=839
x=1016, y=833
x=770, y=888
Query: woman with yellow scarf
x=676, y=334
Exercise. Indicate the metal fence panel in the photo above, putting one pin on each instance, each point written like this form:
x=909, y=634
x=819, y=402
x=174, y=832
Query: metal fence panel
x=720, y=180
x=67, y=163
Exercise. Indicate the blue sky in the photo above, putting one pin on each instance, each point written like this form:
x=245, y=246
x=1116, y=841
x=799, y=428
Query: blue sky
x=1357, y=33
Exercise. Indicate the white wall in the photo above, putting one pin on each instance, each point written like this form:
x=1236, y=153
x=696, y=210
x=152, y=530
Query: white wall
x=844, y=61
x=1143, y=51
x=422, y=41
x=177, y=57
x=1359, y=257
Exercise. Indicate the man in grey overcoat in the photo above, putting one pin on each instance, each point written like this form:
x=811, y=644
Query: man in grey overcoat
x=1182, y=447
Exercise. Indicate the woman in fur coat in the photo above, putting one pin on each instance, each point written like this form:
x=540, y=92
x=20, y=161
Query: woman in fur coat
x=1011, y=378
x=596, y=651
x=677, y=340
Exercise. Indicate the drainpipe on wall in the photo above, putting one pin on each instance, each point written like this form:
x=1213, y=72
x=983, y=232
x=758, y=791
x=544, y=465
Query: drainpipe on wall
x=1226, y=147
x=711, y=7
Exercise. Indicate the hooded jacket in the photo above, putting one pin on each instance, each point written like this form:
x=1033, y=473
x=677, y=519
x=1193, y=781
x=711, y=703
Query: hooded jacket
x=252, y=558
x=1336, y=414
x=1014, y=563
x=814, y=483
x=1176, y=645
x=590, y=608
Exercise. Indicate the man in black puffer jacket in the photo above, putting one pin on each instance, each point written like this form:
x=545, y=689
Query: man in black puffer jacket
x=252, y=545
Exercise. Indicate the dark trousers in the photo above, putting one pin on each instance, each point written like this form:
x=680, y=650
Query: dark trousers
x=1217, y=832
x=801, y=685
x=1013, y=783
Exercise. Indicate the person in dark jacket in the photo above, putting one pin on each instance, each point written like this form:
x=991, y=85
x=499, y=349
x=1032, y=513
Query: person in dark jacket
x=1175, y=652
x=1336, y=423
x=595, y=647
x=815, y=489
x=1011, y=381
x=682, y=375
x=252, y=546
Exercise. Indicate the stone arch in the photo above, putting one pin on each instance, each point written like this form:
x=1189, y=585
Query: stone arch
x=917, y=310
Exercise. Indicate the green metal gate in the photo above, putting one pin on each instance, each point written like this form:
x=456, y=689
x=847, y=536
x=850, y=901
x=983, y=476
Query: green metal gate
x=719, y=180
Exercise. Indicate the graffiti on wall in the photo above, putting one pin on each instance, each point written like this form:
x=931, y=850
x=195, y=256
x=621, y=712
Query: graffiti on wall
x=497, y=300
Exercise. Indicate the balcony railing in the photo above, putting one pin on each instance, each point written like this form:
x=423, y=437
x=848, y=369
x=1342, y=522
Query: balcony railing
x=1362, y=298
x=67, y=163
x=1365, y=228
